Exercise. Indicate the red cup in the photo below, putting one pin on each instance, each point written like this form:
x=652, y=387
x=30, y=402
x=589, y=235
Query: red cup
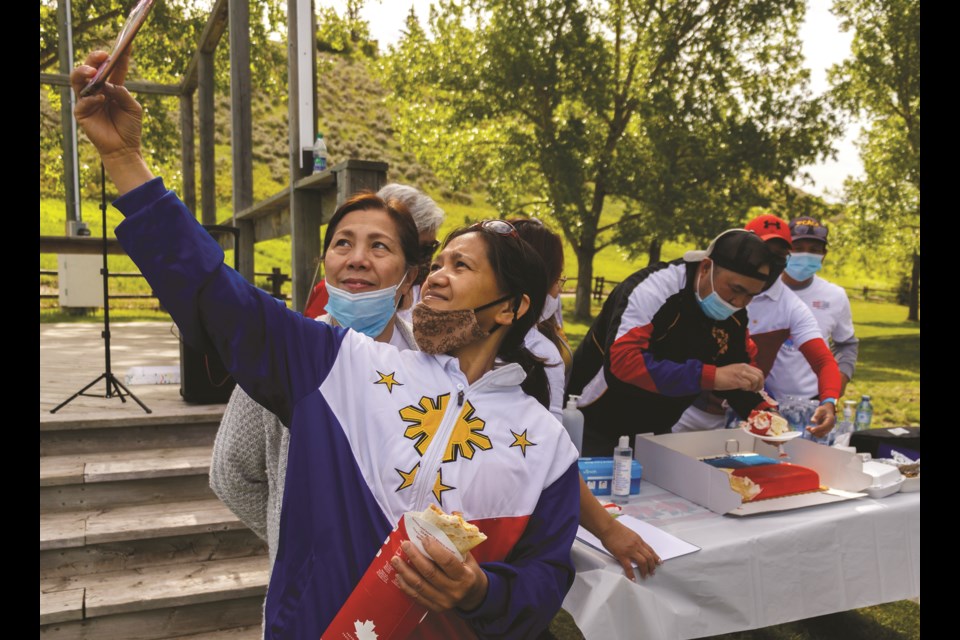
x=377, y=605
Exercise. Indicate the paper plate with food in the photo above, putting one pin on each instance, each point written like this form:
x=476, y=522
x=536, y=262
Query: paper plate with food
x=769, y=426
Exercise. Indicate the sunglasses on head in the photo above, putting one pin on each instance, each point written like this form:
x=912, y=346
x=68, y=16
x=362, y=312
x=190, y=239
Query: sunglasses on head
x=499, y=227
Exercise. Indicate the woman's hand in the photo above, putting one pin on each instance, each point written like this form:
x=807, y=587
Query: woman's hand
x=443, y=583
x=111, y=119
x=628, y=548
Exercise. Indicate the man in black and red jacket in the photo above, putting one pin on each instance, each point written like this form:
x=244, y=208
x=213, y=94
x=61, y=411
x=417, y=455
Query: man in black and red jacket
x=669, y=332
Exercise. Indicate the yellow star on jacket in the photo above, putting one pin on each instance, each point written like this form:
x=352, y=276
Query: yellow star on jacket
x=408, y=476
x=439, y=487
x=388, y=380
x=520, y=440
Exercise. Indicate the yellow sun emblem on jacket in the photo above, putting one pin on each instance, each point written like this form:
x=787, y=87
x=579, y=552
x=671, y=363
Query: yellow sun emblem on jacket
x=425, y=421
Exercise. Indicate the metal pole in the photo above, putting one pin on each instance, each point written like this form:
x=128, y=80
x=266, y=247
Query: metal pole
x=71, y=163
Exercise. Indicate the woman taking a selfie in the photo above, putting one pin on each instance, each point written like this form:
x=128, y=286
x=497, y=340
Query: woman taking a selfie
x=374, y=431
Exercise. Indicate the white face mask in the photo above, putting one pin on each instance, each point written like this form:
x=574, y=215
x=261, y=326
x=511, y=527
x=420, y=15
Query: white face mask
x=550, y=307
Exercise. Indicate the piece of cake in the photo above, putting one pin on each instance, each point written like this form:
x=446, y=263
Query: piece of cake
x=773, y=480
x=767, y=423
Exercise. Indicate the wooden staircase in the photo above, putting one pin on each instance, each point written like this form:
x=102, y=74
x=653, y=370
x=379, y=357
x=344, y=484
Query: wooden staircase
x=133, y=543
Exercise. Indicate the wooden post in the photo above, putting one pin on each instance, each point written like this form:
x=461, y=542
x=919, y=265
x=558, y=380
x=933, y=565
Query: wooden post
x=241, y=128
x=354, y=176
x=208, y=177
x=306, y=206
x=188, y=161
x=67, y=123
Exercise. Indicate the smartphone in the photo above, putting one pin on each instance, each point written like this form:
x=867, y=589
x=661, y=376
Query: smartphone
x=134, y=21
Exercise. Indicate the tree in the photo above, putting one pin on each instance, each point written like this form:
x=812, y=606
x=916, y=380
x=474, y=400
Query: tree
x=881, y=83
x=557, y=107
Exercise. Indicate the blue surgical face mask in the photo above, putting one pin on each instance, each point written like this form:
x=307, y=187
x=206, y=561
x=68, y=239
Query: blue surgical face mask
x=802, y=266
x=368, y=312
x=713, y=306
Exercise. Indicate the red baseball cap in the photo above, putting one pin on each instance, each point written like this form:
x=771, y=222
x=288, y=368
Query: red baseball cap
x=769, y=226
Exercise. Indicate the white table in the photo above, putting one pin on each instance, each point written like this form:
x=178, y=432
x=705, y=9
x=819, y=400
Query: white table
x=751, y=572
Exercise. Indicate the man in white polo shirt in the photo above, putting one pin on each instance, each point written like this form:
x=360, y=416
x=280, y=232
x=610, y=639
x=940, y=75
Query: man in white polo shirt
x=830, y=306
x=777, y=316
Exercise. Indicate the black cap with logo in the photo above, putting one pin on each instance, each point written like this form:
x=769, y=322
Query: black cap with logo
x=742, y=252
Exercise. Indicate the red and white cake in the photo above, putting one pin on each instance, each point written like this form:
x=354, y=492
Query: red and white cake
x=773, y=480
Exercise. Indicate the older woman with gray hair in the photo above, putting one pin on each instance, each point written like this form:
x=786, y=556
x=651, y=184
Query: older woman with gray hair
x=428, y=217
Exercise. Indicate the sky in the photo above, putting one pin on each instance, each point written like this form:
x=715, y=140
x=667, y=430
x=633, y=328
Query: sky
x=823, y=45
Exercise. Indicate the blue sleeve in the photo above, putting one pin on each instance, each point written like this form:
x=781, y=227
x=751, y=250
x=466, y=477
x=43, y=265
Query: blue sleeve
x=527, y=589
x=276, y=356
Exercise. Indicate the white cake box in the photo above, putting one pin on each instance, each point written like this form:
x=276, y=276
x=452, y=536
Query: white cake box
x=672, y=461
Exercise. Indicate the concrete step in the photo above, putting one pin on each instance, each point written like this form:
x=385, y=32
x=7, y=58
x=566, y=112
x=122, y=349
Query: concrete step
x=113, y=466
x=153, y=588
x=157, y=624
x=191, y=414
x=92, y=496
x=240, y=633
x=67, y=562
x=140, y=522
x=127, y=437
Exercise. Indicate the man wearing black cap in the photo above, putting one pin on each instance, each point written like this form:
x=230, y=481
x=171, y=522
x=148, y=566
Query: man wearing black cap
x=669, y=332
x=777, y=315
x=830, y=306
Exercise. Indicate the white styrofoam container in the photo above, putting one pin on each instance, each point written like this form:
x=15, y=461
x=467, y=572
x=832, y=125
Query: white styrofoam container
x=672, y=461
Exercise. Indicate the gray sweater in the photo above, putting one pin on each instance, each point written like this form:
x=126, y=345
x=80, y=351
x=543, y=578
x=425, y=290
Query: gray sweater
x=249, y=464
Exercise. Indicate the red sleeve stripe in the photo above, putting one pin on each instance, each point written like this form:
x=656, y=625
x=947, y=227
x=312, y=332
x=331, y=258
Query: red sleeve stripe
x=626, y=358
x=822, y=362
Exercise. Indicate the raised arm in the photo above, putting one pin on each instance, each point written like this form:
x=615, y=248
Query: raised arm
x=261, y=342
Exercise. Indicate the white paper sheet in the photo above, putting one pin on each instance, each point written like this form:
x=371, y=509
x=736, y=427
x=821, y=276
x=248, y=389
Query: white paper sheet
x=667, y=546
x=898, y=431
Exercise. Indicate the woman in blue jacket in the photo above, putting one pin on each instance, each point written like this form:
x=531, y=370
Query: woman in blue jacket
x=376, y=432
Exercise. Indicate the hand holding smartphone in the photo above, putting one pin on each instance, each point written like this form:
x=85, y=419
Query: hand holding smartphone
x=134, y=21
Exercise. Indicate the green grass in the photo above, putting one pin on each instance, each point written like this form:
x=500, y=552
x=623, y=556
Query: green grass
x=888, y=365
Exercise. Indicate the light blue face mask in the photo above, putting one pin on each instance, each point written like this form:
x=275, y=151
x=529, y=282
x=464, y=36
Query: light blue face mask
x=713, y=306
x=802, y=266
x=368, y=312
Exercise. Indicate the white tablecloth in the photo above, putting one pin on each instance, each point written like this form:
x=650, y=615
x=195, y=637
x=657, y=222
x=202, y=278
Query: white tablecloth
x=751, y=572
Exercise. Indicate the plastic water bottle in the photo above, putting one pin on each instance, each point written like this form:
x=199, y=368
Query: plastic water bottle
x=622, y=466
x=573, y=423
x=319, y=154
x=846, y=423
x=864, y=414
